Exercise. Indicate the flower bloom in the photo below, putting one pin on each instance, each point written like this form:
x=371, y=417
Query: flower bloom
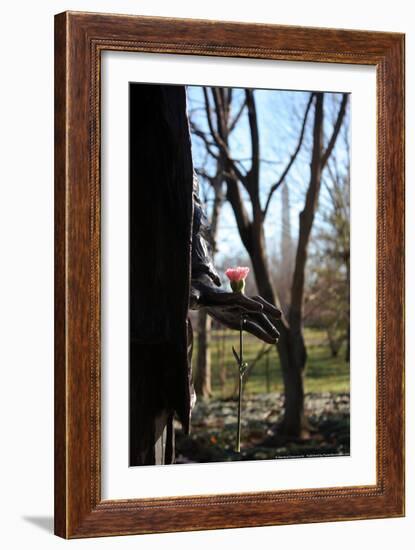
x=237, y=276
x=237, y=273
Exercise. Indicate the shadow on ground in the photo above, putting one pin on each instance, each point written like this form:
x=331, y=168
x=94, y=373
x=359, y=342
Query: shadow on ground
x=43, y=522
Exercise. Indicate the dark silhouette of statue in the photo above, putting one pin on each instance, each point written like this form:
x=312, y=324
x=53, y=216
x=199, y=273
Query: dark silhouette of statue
x=171, y=271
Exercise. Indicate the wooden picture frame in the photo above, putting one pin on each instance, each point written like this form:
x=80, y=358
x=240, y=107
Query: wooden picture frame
x=79, y=40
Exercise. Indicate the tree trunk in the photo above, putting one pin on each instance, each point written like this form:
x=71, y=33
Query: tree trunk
x=293, y=353
x=203, y=384
x=292, y=366
x=291, y=348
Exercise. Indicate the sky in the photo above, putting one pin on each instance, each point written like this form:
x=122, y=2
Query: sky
x=280, y=114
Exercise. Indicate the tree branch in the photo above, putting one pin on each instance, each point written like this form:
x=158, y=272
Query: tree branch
x=292, y=158
x=220, y=113
x=220, y=143
x=307, y=217
x=241, y=215
x=336, y=130
x=237, y=116
x=253, y=125
x=202, y=135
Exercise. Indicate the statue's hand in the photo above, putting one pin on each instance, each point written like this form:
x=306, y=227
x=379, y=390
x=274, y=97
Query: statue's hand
x=227, y=308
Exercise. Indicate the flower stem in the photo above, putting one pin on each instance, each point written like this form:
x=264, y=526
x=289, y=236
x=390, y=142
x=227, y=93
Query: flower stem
x=238, y=433
x=241, y=362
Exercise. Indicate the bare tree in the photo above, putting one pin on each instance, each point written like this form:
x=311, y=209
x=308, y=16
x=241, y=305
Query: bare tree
x=241, y=183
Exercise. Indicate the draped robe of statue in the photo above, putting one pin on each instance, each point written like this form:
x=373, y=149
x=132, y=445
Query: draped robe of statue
x=166, y=219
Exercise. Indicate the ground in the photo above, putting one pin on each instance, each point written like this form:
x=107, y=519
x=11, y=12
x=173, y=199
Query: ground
x=213, y=427
x=213, y=433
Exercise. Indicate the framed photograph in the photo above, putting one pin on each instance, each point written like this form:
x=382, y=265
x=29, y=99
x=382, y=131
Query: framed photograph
x=229, y=275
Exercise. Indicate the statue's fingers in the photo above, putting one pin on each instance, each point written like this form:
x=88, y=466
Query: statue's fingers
x=248, y=304
x=269, y=309
x=225, y=317
x=259, y=332
x=234, y=301
x=262, y=320
x=218, y=298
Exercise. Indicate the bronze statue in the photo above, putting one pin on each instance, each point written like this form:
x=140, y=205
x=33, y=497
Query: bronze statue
x=171, y=271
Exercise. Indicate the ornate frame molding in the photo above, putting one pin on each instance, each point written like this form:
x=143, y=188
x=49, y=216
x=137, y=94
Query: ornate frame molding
x=79, y=40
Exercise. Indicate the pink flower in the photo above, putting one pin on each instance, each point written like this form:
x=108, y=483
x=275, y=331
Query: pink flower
x=237, y=276
x=237, y=273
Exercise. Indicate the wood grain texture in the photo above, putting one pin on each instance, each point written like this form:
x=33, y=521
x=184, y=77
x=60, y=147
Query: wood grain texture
x=79, y=39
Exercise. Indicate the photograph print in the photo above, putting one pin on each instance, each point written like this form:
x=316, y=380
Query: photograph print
x=239, y=274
